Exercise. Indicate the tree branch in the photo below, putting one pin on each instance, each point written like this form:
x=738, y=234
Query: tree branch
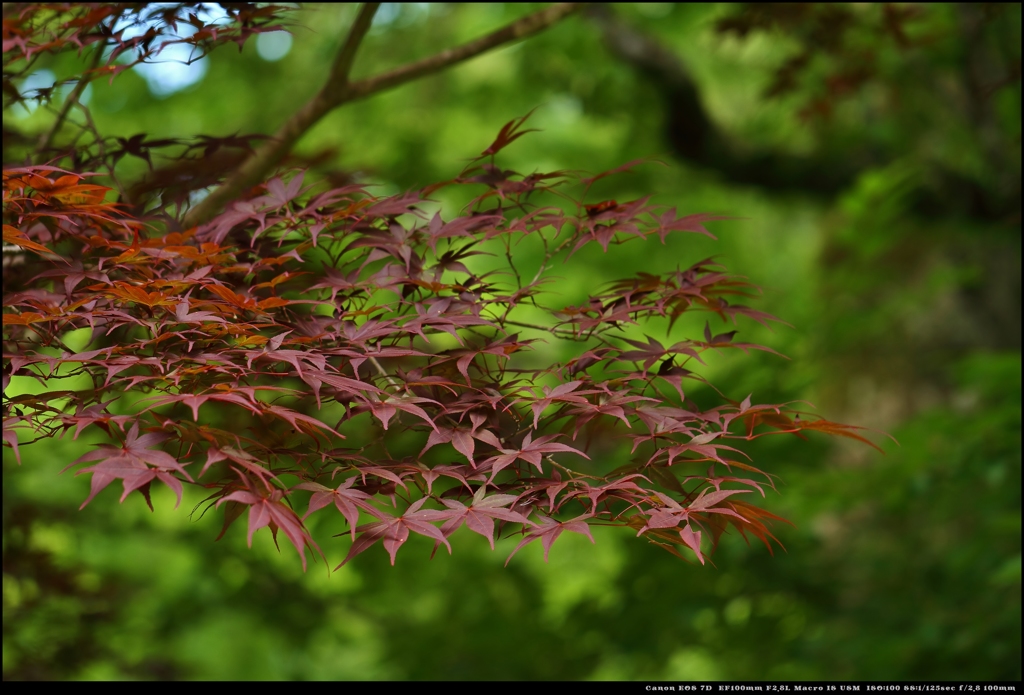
x=76, y=93
x=519, y=29
x=256, y=167
x=338, y=80
x=339, y=90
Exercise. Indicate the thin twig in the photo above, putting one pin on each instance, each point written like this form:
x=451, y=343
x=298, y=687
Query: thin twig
x=339, y=91
x=383, y=373
x=519, y=29
x=90, y=125
x=547, y=329
x=72, y=99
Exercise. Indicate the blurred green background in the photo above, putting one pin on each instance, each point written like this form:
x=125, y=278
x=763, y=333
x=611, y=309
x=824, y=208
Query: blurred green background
x=878, y=178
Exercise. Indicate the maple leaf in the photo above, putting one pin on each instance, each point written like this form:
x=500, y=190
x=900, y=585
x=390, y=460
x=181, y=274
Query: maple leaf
x=725, y=340
x=530, y=451
x=343, y=385
x=240, y=458
x=270, y=511
x=502, y=348
x=751, y=521
x=436, y=317
x=184, y=314
x=588, y=182
x=603, y=233
x=718, y=480
x=835, y=428
x=563, y=393
x=280, y=194
x=12, y=235
x=462, y=439
x=336, y=282
x=611, y=406
x=135, y=463
x=509, y=133
x=383, y=472
x=670, y=513
x=460, y=473
x=701, y=444
x=692, y=540
x=437, y=229
x=195, y=400
x=297, y=419
x=668, y=222
x=394, y=531
x=653, y=350
x=94, y=415
x=347, y=500
x=210, y=144
x=10, y=434
x=479, y=516
x=384, y=408
x=623, y=487
x=548, y=530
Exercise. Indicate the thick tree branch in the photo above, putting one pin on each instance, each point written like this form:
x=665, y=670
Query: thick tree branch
x=339, y=90
x=338, y=80
x=256, y=167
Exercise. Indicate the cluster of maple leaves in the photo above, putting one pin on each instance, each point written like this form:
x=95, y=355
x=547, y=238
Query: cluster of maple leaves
x=340, y=299
x=350, y=352
x=29, y=30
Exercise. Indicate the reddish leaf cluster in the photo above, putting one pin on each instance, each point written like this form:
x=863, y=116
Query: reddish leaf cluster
x=332, y=348
x=305, y=317
x=111, y=38
x=122, y=34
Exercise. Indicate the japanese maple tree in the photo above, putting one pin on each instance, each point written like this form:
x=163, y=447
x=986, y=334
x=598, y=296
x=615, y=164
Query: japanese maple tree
x=297, y=347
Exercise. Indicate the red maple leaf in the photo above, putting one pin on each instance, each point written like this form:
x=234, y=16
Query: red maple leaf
x=134, y=463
